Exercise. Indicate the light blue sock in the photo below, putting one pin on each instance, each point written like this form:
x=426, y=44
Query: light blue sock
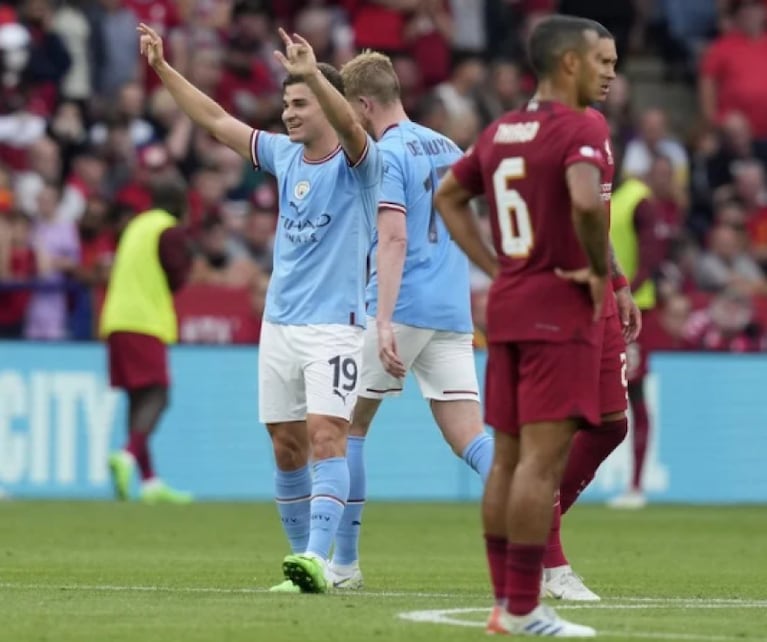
x=348, y=535
x=330, y=490
x=293, y=490
x=479, y=454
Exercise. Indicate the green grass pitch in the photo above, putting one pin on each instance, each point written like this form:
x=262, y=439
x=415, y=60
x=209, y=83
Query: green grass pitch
x=81, y=572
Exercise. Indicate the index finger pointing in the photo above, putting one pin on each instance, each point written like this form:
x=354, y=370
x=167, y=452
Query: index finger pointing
x=285, y=37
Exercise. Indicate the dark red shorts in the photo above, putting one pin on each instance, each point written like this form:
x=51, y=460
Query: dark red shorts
x=613, y=383
x=532, y=381
x=137, y=361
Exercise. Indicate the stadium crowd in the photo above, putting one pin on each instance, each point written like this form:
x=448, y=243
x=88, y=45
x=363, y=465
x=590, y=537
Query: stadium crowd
x=84, y=125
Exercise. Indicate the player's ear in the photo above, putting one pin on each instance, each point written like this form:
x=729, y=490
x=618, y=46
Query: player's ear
x=571, y=60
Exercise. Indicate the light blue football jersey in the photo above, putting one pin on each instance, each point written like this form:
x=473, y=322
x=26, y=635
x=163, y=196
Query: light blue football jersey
x=326, y=224
x=435, y=290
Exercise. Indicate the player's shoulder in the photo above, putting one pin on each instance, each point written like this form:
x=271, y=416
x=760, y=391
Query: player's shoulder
x=596, y=115
x=280, y=143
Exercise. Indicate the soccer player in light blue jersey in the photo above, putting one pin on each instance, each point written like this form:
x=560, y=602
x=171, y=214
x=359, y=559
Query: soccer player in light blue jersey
x=418, y=294
x=329, y=173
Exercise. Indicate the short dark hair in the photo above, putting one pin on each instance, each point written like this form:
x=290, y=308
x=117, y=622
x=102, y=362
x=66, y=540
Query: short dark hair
x=332, y=75
x=169, y=194
x=553, y=36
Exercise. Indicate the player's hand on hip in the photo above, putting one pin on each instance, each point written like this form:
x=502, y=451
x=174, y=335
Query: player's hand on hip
x=150, y=45
x=299, y=58
x=387, y=350
x=631, y=317
x=597, y=286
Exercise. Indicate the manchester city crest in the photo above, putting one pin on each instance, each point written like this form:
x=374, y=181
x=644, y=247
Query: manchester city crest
x=301, y=189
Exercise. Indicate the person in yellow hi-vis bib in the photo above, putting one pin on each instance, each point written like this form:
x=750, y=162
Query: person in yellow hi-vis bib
x=138, y=321
x=646, y=218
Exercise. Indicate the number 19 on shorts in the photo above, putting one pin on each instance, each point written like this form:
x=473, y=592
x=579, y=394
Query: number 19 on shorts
x=513, y=215
x=344, y=375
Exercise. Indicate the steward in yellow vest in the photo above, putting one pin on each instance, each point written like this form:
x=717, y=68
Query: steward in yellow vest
x=138, y=320
x=139, y=298
x=623, y=234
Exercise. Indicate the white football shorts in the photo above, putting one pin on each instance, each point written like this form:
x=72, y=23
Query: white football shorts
x=308, y=369
x=442, y=362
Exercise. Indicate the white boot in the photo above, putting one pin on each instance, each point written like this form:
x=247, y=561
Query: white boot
x=543, y=621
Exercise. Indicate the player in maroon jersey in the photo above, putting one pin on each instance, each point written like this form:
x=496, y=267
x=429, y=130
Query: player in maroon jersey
x=622, y=323
x=544, y=168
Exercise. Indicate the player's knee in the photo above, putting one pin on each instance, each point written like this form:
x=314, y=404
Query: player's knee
x=542, y=468
x=328, y=438
x=289, y=451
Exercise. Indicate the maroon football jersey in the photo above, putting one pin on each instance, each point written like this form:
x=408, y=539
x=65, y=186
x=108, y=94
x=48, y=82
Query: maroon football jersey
x=519, y=162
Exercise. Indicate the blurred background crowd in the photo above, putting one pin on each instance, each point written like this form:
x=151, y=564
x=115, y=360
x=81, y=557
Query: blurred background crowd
x=84, y=124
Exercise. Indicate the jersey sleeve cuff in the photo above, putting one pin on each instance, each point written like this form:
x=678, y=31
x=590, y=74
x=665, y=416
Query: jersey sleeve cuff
x=362, y=157
x=387, y=205
x=596, y=161
x=254, y=148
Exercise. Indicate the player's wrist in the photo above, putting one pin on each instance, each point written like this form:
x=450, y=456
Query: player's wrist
x=313, y=76
x=620, y=282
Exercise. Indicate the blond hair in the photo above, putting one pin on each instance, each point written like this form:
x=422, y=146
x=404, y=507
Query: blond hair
x=371, y=74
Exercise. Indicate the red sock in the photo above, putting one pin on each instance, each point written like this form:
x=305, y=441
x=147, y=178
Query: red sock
x=138, y=446
x=555, y=555
x=641, y=434
x=524, y=570
x=496, y=560
x=590, y=448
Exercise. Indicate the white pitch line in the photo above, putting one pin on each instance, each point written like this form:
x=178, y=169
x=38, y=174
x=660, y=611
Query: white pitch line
x=607, y=603
x=662, y=605
x=444, y=616
x=114, y=588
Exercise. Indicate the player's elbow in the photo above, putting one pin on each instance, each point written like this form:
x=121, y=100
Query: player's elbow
x=393, y=243
x=449, y=199
x=587, y=203
x=216, y=127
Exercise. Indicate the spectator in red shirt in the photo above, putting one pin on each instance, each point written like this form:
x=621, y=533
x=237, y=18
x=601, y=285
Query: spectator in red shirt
x=153, y=160
x=428, y=34
x=18, y=263
x=732, y=70
x=380, y=24
x=726, y=325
